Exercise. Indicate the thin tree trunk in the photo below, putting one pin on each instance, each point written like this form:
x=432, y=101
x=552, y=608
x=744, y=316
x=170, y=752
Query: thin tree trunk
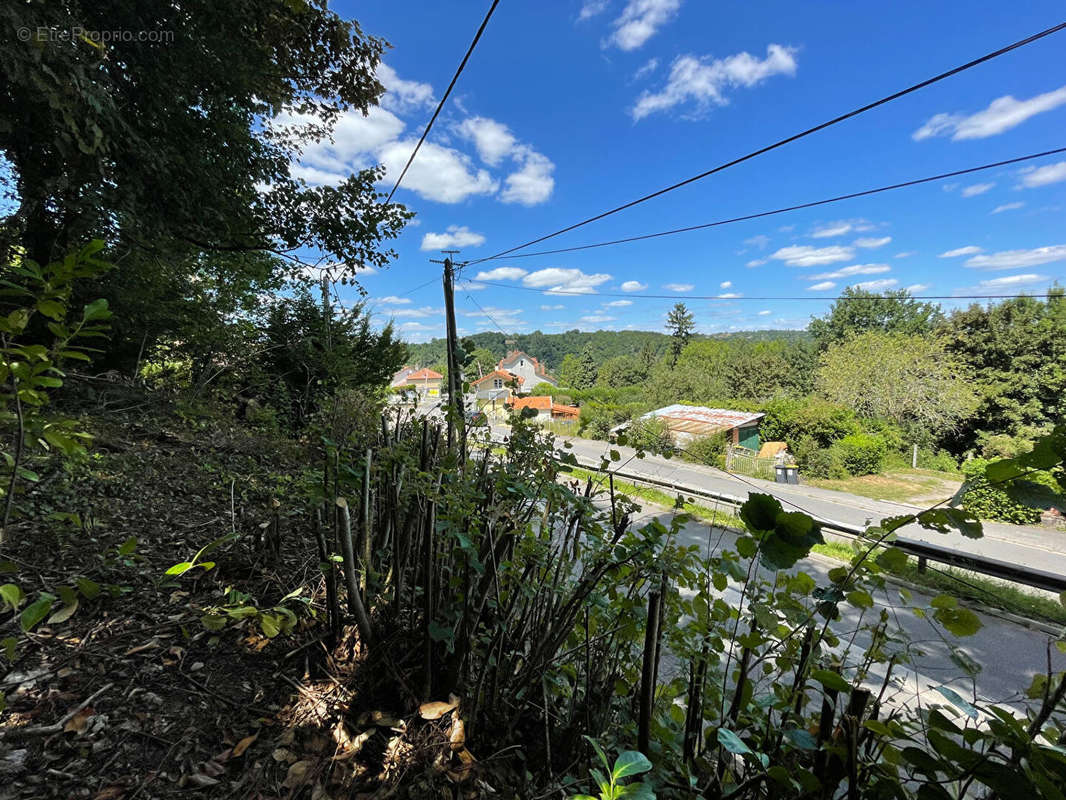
x=355, y=600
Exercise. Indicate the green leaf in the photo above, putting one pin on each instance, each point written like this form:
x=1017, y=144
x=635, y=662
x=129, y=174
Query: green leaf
x=831, y=680
x=892, y=559
x=270, y=624
x=760, y=512
x=51, y=308
x=179, y=569
x=97, y=309
x=36, y=611
x=960, y=621
x=957, y=700
x=1037, y=687
x=801, y=739
x=599, y=752
x=731, y=742
x=629, y=763
x=213, y=622
x=9, y=644
x=128, y=546
x=12, y=595
x=860, y=599
x=90, y=589
x=65, y=613
x=746, y=546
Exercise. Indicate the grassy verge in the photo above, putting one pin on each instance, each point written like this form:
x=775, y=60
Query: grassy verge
x=897, y=485
x=942, y=580
x=725, y=519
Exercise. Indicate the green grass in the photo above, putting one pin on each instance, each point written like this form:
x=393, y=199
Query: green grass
x=896, y=485
x=938, y=580
x=719, y=516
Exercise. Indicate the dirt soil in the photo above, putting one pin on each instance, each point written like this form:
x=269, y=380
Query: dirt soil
x=175, y=709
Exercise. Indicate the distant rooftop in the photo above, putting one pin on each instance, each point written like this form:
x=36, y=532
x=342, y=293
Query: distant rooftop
x=703, y=420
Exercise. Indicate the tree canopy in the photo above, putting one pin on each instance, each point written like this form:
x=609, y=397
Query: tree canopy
x=858, y=311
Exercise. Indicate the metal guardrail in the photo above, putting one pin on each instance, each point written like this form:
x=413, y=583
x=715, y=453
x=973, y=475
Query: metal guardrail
x=923, y=551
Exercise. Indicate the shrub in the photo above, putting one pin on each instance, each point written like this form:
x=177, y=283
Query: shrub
x=941, y=460
x=990, y=501
x=709, y=450
x=650, y=434
x=822, y=462
x=861, y=453
x=1002, y=445
x=790, y=419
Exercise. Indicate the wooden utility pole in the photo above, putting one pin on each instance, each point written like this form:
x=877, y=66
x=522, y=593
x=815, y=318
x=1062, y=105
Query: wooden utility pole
x=455, y=376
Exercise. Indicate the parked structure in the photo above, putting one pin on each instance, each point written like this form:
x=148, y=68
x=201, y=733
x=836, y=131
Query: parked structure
x=685, y=423
x=425, y=381
x=527, y=368
x=546, y=408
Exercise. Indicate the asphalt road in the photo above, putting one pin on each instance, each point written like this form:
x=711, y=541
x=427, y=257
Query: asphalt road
x=1028, y=546
x=1010, y=654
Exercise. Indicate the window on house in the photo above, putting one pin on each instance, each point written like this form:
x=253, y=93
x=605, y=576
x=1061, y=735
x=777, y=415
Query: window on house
x=497, y=384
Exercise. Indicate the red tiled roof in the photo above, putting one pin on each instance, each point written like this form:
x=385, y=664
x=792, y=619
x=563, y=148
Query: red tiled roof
x=424, y=374
x=558, y=409
x=502, y=374
x=513, y=355
x=540, y=403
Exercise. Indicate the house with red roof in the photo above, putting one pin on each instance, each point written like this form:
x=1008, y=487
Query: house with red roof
x=527, y=368
x=545, y=408
x=425, y=381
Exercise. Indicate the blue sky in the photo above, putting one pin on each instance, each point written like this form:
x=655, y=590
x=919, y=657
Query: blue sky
x=569, y=108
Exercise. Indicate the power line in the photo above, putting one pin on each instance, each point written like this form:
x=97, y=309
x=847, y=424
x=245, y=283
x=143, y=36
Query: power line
x=799, y=207
x=440, y=105
x=491, y=319
x=760, y=298
x=794, y=137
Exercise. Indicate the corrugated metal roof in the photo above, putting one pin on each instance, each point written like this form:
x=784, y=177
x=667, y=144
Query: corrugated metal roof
x=701, y=420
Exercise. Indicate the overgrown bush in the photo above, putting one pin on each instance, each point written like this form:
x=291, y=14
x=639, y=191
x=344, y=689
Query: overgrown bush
x=597, y=419
x=709, y=450
x=822, y=462
x=861, y=453
x=941, y=460
x=788, y=419
x=991, y=501
x=651, y=435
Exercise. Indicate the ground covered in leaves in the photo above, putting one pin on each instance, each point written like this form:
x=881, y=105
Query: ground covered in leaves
x=131, y=694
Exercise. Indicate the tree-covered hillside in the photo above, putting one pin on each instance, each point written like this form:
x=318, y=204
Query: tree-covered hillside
x=550, y=348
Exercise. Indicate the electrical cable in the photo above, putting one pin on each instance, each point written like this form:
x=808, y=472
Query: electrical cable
x=787, y=209
x=794, y=137
x=447, y=92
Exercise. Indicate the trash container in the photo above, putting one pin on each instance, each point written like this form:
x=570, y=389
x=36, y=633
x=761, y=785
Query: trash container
x=780, y=475
x=791, y=474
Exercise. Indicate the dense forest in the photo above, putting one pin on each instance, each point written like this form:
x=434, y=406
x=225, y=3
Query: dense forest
x=232, y=568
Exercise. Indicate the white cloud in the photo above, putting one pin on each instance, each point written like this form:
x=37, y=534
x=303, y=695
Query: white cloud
x=595, y=318
x=457, y=236
x=502, y=274
x=968, y=250
x=559, y=307
x=840, y=227
x=592, y=8
x=439, y=173
x=315, y=176
x=492, y=139
x=907, y=254
x=679, y=287
x=1009, y=259
x=873, y=286
x=870, y=242
x=633, y=286
x=470, y=286
x=1012, y=280
x=821, y=287
x=393, y=300
x=847, y=272
x=759, y=241
x=402, y=96
x=729, y=295
x=976, y=189
x=647, y=69
x=705, y=82
x=915, y=288
x=618, y=304
x=355, y=137
x=418, y=326
x=725, y=284
x=639, y=21
x=425, y=311
x=764, y=312
x=531, y=184
x=1006, y=207
x=807, y=256
x=509, y=318
x=756, y=262
x=1042, y=176
x=559, y=280
x=1001, y=115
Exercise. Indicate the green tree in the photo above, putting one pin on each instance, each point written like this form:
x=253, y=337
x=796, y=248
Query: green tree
x=859, y=311
x=908, y=379
x=586, y=369
x=1017, y=352
x=619, y=371
x=680, y=324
